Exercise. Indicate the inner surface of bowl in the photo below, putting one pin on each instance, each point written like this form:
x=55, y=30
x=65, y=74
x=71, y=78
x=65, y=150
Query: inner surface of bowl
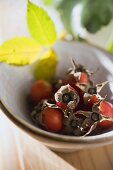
x=15, y=82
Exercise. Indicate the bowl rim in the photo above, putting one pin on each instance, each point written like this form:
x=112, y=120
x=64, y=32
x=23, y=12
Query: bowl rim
x=108, y=136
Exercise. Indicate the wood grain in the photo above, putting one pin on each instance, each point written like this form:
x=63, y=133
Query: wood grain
x=18, y=151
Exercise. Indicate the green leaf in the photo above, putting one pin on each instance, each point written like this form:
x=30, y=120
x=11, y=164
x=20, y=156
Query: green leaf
x=19, y=51
x=66, y=8
x=40, y=25
x=96, y=14
x=46, y=66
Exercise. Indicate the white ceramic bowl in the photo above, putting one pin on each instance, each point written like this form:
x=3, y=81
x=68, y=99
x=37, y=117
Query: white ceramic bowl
x=15, y=83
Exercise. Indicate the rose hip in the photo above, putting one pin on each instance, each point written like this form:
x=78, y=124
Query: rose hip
x=52, y=119
x=106, y=109
x=79, y=75
x=40, y=90
x=67, y=97
x=92, y=96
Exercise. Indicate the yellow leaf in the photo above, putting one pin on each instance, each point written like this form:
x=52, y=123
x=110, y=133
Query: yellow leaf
x=46, y=66
x=40, y=25
x=19, y=51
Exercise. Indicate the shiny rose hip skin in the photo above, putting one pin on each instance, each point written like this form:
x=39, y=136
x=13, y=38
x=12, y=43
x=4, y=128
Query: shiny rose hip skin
x=52, y=119
x=40, y=90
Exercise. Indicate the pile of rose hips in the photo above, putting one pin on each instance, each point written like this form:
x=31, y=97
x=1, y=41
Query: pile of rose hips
x=71, y=106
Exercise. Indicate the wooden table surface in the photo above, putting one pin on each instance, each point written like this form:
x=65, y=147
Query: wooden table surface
x=18, y=151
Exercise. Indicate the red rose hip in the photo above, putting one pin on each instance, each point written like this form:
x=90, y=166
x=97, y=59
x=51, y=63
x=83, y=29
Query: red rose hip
x=40, y=90
x=106, y=109
x=79, y=74
x=67, y=97
x=84, y=79
x=52, y=118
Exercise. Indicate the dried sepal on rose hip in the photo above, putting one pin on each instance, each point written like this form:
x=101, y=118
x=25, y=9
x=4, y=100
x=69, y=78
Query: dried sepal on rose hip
x=79, y=75
x=91, y=121
x=58, y=83
x=67, y=97
x=73, y=123
x=105, y=109
x=82, y=123
x=92, y=96
x=48, y=116
x=36, y=113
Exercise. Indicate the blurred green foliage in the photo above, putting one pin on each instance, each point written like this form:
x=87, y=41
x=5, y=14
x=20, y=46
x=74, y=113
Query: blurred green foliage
x=65, y=9
x=94, y=15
